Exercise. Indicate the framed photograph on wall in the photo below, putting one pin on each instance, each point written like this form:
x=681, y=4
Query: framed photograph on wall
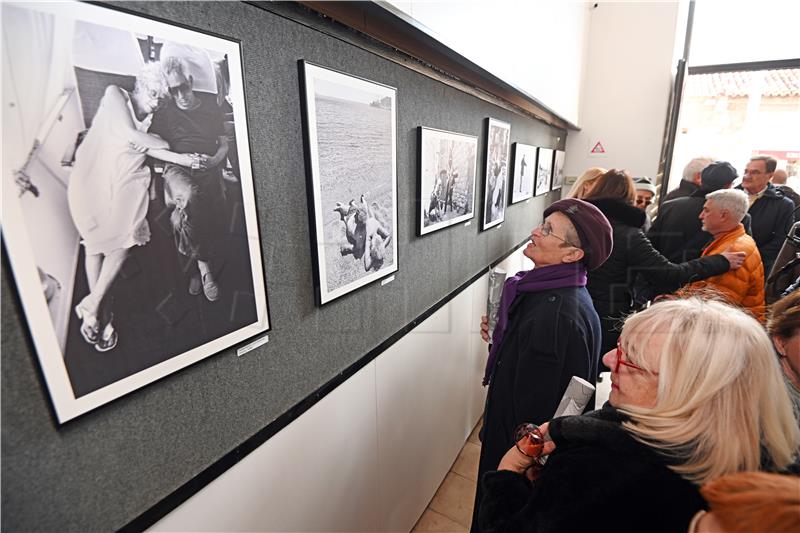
x=351, y=160
x=447, y=168
x=558, y=169
x=544, y=170
x=495, y=186
x=523, y=172
x=129, y=213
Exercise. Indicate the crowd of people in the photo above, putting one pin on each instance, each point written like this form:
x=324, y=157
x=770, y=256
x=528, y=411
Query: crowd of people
x=701, y=431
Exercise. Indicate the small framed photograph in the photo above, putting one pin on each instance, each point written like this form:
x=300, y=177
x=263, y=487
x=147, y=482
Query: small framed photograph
x=544, y=170
x=524, y=171
x=495, y=185
x=129, y=212
x=558, y=169
x=447, y=168
x=351, y=160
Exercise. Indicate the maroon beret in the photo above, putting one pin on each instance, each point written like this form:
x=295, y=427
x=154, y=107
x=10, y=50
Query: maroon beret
x=592, y=226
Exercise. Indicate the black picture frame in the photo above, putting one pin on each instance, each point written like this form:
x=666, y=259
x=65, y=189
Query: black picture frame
x=351, y=179
x=447, y=168
x=496, y=170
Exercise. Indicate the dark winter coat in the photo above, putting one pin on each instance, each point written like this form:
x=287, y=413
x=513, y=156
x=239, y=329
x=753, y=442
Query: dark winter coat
x=611, y=285
x=772, y=219
x=598, y=479
x=684, y=189
x=677, y=231
x=551, y=336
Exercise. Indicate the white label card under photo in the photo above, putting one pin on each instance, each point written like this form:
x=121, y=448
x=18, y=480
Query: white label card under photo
x=250, y=346
x=387, y=280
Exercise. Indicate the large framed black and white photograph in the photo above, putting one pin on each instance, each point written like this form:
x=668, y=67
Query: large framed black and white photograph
x=558, y=169
x=495, y=187
x=129, y=214
x=351, y=162
x=447, y=168
x=524, y=172
x=544, y=170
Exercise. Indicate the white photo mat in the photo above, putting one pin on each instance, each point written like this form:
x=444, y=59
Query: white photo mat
x=18, y=232
x=353, y=163
x=462, y=170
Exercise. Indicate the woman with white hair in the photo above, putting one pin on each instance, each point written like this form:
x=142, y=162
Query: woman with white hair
x=696, y=394
x=108, y=193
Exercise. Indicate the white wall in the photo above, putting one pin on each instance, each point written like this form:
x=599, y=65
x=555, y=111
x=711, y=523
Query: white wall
x=630, y=65
x=538, y=46
x=371, y=454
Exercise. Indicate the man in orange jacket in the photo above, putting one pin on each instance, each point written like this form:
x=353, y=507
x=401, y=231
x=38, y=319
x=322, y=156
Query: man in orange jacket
x=722, y=214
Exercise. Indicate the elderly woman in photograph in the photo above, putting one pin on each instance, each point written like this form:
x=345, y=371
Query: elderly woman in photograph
x=108, y=193
x=696, y=394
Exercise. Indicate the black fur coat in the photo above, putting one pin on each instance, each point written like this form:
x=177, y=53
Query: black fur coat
x=598, y=479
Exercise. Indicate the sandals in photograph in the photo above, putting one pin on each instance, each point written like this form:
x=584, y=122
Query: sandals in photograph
x=90, y=326
x=107, y=341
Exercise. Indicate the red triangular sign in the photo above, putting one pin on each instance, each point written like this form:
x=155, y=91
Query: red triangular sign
x=598, y=149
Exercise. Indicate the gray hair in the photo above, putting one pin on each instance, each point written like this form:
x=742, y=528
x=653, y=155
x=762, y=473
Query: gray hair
x=175, y=64
x=696, y=165
x=732, y=200
x=151, y=77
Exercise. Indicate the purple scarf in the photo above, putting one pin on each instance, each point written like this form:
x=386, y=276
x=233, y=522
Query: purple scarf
x=536, y=280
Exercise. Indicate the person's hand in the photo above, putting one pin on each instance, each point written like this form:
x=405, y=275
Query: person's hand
x=734, y=258
x=185, y=160
x=485, y=328
x=137, y=147
x=516, y=461
x=549, y=445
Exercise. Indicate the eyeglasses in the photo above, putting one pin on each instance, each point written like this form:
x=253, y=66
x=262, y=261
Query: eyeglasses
x=620, y=353
x=183, y=88
x=547, y=229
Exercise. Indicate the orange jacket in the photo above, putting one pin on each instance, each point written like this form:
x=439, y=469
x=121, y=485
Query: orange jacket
x=745, y=285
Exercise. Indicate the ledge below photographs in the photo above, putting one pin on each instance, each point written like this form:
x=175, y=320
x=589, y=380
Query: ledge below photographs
x=194, y=485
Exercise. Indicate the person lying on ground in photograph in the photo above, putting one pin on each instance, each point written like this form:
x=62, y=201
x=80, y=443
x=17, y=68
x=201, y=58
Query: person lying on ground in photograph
x=547, y=330
x=696, y=394
x=367, y=238
x=108, y=194
x=198, y=146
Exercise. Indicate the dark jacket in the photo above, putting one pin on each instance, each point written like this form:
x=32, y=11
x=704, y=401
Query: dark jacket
x=598, y=479
x=792, y=195
x=684, y=189
x=551, y=336
x=611, y=285
x=677, y=231
x=772, y=219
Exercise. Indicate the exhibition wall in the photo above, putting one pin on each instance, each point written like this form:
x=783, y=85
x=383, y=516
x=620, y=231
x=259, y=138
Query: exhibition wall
x=633, y=48
x=370, y=455
x=128, y=462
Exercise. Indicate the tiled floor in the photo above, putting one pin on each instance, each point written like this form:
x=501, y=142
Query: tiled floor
x=450, y=510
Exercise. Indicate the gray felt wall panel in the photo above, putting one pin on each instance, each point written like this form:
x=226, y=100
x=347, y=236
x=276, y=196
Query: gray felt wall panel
x=103, y=469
